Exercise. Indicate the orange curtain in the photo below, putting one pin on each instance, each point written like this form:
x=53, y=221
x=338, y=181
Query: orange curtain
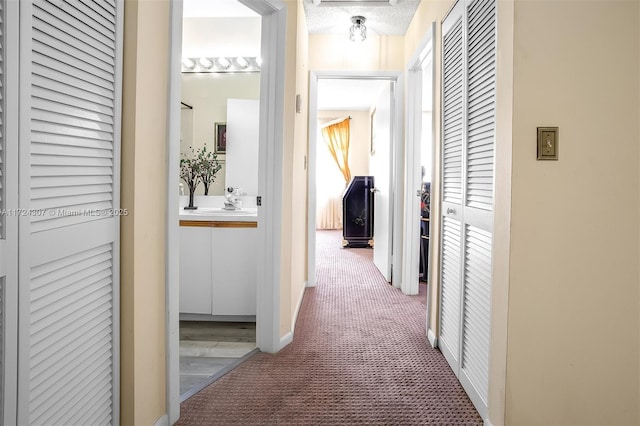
x=336, y=136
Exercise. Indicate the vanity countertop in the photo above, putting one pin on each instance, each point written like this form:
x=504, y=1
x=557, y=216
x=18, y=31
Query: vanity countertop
x=217, y=214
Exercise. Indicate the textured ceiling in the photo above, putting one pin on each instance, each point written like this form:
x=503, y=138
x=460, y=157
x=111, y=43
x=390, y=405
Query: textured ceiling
x=216, y=9
x=382, y=20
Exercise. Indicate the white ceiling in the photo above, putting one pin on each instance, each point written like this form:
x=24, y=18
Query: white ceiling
x=383, y=20
x=348, y=95
x=216, y=9
x=219, y=28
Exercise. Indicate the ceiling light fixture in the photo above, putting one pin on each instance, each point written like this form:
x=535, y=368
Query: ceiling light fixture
x=358, y=31
x=209, y=64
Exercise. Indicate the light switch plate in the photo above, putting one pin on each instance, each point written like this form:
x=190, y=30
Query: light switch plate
x=547, y=143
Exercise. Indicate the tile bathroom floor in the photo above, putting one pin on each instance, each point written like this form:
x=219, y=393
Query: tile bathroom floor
x=208, y=350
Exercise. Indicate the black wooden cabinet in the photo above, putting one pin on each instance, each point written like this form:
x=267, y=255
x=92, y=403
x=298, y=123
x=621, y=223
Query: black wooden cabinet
x=425, y=213
x=357, y=212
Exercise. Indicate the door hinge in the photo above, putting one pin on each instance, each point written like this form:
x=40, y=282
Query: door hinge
x=258, y=200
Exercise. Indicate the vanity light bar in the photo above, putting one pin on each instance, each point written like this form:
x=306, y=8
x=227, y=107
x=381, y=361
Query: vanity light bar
x=221, y=64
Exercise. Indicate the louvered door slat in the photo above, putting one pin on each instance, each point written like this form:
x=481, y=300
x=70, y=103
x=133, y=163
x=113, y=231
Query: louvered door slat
x=67, y=86
x=79, y=75
x=64, y=99
x=55, y=346
x=481, y=99
x=477, y=299
x=94, y=59
x=102, y=53
x=71, y=150
x=95, y=14
x=71, y=252
x=100, y=9
x=72, y=23
x=452, y=115
x=62, y=181
x=450, y=282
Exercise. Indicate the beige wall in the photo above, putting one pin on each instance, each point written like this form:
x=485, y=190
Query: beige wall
x=334, y=52
x=144, y=192
x=359, y=138
x=502, y=213
x=573, y=297
x=294, y=178
x=300, y=152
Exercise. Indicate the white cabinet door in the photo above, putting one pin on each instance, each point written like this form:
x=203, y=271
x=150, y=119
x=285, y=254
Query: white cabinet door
x=234, y=271
x=195, y=270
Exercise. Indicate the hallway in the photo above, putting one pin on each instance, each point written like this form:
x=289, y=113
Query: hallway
x=359, y=356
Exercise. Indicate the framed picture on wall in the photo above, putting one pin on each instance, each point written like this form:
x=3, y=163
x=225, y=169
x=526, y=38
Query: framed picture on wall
x=221, y=137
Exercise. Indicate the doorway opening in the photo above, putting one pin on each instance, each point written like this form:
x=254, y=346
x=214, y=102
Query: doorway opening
x=219, y=119
x=270, y=130
x=371, y=103
x=421, y=227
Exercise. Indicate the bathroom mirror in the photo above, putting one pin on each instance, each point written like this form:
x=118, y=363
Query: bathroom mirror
x=204, y=103
x=228, y=41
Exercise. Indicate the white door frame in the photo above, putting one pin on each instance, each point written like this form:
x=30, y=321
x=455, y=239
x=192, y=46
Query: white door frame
x=9, y=242
x=415, y=83
x=274, y=14
x=397, y=172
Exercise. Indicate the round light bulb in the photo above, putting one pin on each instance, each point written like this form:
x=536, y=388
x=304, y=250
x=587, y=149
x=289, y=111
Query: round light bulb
x=188, y=63
x=205, y=63
x=242, y=62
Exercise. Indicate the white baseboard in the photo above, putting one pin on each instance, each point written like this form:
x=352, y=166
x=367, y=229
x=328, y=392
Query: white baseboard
x=309, y=284
x=162, y=421
x=285, y=340
x=487, y=422
x=295, y=313
x=288, y=338
x=432, y=338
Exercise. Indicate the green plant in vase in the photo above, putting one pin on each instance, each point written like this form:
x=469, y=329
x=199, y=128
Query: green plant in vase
x=209, y=167
x=190, y=173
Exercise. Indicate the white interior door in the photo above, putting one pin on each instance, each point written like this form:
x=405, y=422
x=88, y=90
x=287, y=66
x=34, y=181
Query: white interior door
x=417, y=155
x=380, y=167
x=70, y=68
x=468, y=139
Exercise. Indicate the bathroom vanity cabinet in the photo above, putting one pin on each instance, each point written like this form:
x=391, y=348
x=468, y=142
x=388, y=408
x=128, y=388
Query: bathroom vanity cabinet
x=218, y=267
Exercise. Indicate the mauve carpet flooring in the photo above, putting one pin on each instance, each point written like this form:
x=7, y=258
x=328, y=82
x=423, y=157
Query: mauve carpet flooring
x=359, y=356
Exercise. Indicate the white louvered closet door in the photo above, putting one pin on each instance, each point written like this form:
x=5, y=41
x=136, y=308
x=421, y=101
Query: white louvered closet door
x=469, y=64
x=452, y=103
x=70, y=67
